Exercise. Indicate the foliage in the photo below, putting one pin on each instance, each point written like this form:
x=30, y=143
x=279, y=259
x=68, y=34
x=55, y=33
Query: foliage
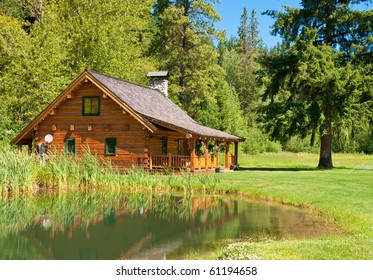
x=239, y=58
x=45, y=47
x=336, y=24
x=309, y=91
x=298, y=145
x=185, y=48
x=257, y=142
x=326, y=91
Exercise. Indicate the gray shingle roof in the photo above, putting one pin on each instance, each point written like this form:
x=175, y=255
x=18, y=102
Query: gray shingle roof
x=157, y=108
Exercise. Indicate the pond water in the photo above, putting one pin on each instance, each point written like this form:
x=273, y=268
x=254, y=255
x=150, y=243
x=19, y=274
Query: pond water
x=117, y=225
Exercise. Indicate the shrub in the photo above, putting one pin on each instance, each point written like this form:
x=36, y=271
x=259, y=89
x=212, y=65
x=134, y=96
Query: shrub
x=273, y=147
x=298, y=145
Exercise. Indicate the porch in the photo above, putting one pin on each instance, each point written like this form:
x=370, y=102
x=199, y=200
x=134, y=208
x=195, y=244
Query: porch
x=185, y=163
x=193, y=162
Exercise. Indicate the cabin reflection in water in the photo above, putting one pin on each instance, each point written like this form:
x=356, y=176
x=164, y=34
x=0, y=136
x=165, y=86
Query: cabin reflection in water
x=157, y=232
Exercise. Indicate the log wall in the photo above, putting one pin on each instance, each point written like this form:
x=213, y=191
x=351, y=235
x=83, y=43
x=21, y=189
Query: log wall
x=66, y=121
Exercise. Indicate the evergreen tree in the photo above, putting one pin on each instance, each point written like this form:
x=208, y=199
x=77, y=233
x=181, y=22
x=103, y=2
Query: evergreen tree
x=250, y=46
x=309, y=92
x=336, y=23
x=336, y=26
x=184, y=47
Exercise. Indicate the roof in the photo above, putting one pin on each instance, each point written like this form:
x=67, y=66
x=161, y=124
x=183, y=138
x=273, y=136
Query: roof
x=158, y=108
x=149, y=106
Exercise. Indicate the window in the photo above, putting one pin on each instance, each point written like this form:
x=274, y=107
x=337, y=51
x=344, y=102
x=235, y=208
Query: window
x=70, y=146
x=182, y=147
x=111, y=146
x=91, y=106
x=164, y=145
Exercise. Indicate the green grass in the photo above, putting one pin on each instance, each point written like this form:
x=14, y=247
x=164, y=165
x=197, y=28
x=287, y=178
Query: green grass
x=343, y=196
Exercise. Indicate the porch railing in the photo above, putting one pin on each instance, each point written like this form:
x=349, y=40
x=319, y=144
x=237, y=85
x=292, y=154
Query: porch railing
x=169, y=161
x=182, y=162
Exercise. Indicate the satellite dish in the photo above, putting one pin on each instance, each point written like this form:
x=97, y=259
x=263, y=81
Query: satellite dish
x=48, y=138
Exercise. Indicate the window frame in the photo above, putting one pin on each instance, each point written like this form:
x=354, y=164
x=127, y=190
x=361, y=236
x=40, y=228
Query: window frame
x=90, y=98
x=181, y=147
x=164, y=147
x=67, y=146
x=107, y=140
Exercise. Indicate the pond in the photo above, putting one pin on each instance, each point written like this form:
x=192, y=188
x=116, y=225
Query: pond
x=118, y=225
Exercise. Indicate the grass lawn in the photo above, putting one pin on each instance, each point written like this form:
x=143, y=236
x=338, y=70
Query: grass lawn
x=343, y=196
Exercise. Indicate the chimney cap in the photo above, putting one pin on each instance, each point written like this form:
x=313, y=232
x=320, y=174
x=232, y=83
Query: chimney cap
x=161, y=74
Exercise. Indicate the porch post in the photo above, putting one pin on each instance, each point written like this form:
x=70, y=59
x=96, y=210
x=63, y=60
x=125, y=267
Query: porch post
x=19, y=148
x=227, y=156
x=217, y=154
x=206, y=154
x=150, y=161
x=236, y=152
x=192, y=154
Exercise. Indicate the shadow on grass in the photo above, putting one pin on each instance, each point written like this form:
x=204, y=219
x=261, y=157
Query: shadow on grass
x=277, y=169
x=292, y=169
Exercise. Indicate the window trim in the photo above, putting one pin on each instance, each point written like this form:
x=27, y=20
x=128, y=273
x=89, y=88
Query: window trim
x=90, y=97
x=107, y=146
x=67, y=146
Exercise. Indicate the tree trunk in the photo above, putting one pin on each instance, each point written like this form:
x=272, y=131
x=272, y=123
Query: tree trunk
x=325, y=160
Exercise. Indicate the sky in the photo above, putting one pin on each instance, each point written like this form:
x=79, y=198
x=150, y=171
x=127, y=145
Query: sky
x=231, y=11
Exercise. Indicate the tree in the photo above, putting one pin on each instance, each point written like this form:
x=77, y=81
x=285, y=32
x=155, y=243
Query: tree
x=336, y=23
x=184, y=47
x=45, y=44
x=309, y=91
x=249, y=47
x=336, y=26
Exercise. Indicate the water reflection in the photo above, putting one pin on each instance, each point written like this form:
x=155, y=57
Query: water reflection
x=118, y=225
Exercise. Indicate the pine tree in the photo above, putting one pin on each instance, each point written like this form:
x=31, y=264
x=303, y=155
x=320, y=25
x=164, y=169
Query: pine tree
x=336, y=26
x=184, y=47
x=309, y=92
x=249, y=47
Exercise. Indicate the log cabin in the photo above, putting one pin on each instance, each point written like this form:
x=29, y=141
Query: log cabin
x=129, y=124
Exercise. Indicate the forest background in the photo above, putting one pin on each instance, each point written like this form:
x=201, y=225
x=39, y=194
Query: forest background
x=310, y=93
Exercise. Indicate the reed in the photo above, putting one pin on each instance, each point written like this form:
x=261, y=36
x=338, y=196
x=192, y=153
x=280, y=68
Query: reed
x=18, y=171
x=23, y=172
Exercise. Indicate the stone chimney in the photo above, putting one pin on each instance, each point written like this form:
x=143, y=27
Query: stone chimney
x=158, y=81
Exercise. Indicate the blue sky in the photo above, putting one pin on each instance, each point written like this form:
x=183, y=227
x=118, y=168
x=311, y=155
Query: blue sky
x=231, y=11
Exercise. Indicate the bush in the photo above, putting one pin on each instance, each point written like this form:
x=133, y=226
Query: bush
x=254, y=143
x=365, y=143
x=297, y=145
x=273, y=147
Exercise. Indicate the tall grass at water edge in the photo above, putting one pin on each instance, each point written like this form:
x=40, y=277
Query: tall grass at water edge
x=21, y=172
x=17, y=171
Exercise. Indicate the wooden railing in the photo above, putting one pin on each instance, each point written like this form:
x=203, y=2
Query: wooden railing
x=201, y=162
x=182, y=162
x=169, y=161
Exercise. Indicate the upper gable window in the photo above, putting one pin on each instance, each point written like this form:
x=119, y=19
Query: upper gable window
x=91, y=106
